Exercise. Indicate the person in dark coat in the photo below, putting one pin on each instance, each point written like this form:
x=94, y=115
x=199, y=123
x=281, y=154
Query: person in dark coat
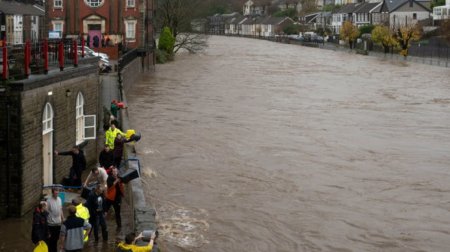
x=40, y=231
x=106, y=158
x=119, y=143
x=95, y=203
x=78, y=164
x=96, y=41
x=88, y=41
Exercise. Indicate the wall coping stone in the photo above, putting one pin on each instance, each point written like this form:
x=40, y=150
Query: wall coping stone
x=37, y=81
x=144, y=213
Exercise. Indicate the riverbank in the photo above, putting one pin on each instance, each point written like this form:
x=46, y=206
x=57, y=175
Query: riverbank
x=436, y=61
x=142, y=214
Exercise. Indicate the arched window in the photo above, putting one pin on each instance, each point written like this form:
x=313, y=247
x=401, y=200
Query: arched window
x=47, y=144
x=79, y=118
x=85, y=124
x=47, y=119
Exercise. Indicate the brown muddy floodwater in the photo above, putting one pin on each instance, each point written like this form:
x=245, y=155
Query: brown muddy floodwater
x=260, y=146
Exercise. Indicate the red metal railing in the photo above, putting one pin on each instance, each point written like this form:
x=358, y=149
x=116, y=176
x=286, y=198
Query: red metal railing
x=21, y=61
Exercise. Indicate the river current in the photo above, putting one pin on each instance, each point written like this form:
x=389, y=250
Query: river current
x=260, y=146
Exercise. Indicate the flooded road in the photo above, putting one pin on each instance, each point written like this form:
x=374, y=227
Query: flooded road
x=260, y=146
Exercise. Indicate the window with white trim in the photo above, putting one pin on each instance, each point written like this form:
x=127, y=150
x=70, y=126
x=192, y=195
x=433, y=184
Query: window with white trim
x=85, y=124
x=89, y=127
x=57, y=3
x=130, y=27
x=79, y=116
x=94, y=3
x=47, y=119
x=131, y=3
x=58, y=26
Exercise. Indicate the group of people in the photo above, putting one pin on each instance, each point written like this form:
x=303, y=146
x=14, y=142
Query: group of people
x=49, y=224
x=71, y=233
x=110, y=157
x=97, y=42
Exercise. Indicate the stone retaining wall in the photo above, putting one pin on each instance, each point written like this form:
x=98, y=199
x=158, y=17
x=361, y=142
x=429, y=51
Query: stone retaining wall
x=144, y=213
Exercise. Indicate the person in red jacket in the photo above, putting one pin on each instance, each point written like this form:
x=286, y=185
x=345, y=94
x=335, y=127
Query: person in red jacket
x=114, y=195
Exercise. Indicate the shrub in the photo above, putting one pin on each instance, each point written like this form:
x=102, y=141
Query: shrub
x=366, y=29
x=166, y=41
x=161, y=56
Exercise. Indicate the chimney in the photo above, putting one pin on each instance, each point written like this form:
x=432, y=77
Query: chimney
x=411, y=3
x=447, y=2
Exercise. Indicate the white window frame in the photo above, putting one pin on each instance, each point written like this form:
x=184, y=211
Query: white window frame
x=58, y=4
x=79, y=118
x=47, y=119
x=90, y=127
x=131, y=3
x=57, y=23
x=132, y=36
x=86, y=125
x=94, y=3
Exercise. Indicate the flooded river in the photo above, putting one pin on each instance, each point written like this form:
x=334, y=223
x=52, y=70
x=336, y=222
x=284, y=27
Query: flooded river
x=260, y=146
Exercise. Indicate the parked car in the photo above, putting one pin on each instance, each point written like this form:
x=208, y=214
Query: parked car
x=317, y=39
x=91, y=53
x=104, y=66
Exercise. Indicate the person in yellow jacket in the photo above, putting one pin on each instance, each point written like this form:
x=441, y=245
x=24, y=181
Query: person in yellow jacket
x=110, y=135
x=129, y=244
x=83, y=213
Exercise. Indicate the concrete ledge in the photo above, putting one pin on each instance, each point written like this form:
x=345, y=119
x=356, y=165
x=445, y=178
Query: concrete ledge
x=36, y=81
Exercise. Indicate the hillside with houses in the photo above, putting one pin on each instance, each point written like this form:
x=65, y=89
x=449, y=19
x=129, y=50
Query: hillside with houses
x=326, y=17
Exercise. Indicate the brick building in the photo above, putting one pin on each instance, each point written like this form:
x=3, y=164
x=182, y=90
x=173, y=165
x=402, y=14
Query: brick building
x=21, y=21
x=122, y=21
x=40, y=115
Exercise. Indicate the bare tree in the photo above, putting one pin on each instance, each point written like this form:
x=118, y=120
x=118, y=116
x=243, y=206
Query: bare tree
x=177, y=15
x=192, y=42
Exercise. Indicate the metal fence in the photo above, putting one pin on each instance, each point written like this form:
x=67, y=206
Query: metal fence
x=127, y=58
x=39, y=58
x=421, y=53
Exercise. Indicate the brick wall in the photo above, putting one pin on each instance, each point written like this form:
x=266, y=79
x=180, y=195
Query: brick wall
x=15, y=156
x=111, y=51
x=9, y=181
x=3, y=143
x=26, y=173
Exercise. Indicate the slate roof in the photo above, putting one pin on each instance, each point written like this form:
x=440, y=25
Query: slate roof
x=13, y=7
x=236, y=20
x=377, y=9
x=365, y=7
x=392, y=5
x=348, y=8
x=273, y=20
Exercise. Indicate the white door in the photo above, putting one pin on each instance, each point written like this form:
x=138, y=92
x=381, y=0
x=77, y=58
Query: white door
x=47, y=144
x=47, y=156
